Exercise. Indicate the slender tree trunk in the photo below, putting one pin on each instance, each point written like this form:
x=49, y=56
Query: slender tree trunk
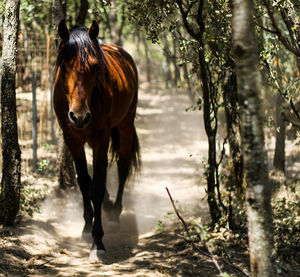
x=210, y=130
x=34, y=121
x=177, y=78
x=148, y=63
x=52, y=117
x=137, y=56
x=187, y=79
x=66, y=170
x=167, y=54
x=83, y=11
x=258, y=194
x=113, y=20
x=121, y=26
x=58, y=13
x=65, y=165
x=279, y=156
x=233, y=124
x=11, y=153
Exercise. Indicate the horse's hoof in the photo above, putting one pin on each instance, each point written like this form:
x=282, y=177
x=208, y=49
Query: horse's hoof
x=96, y=255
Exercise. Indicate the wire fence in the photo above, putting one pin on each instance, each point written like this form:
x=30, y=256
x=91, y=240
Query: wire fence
x=34, y=85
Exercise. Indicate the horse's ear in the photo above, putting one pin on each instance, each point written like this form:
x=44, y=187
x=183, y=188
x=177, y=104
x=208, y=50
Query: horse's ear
x=94, y=30
x=63, y=30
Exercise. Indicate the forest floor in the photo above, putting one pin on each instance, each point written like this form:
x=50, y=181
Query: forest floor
x=148, y=240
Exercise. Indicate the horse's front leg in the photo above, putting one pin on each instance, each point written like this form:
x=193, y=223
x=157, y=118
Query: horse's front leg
x=84, y=181
x=98, y=186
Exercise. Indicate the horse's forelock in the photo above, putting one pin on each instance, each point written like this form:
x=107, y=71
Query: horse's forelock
x=81, y=46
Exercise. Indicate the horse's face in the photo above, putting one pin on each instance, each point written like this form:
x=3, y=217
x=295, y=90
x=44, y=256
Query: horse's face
x=78, y=72
x=79, y=85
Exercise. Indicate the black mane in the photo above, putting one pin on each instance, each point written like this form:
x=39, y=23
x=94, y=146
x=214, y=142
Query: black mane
x=82, y=46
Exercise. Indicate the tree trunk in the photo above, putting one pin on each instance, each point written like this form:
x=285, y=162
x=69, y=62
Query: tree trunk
x=188, y=81
x=83, y=11
x=291, y=20
x=65, y=165
x=177, y=78
x=148, y=62
x=58, y=13
x=11, y=153
x=233, y=124
x=66, y=170
x=258, y=194
x=167, y=62
x=34, y=122
x=279, y=156
x=210, y=130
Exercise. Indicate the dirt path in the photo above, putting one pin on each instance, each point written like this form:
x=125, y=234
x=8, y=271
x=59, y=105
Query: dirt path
x=173, y=145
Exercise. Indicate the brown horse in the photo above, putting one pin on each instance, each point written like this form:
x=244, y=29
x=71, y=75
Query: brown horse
x=95, y=99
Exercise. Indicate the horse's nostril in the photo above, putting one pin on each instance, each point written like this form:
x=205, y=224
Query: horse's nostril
x=72, y=117
x=87, y=118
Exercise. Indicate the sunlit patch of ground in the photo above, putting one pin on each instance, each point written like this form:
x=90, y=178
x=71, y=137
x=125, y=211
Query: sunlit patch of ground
x=145, y=242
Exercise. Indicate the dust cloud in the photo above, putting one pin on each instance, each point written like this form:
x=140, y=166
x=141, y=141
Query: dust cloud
x=173, y=145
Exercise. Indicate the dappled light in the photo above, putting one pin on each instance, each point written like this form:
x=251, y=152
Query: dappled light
x=149, y=138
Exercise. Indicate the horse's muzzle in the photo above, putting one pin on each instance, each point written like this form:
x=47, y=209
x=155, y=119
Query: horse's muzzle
x=80, y=120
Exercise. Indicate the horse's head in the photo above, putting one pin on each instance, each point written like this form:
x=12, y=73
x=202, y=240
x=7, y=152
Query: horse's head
x=78, y=62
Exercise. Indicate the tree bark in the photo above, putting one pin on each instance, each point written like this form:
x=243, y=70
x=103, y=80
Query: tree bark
x=34, y=122
x=58, y=13
x=167, y=62
x=148, y=62
x=177, y=78
x=291, y=19
x=11, y=153
x=210, y=109
x=258, y=193
x=233, y=124
x=83, y=11
x=210, y=125
x=279, y=155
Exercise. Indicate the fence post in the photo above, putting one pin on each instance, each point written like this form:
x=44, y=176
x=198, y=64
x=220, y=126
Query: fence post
x=51, y=106
x=34, y=121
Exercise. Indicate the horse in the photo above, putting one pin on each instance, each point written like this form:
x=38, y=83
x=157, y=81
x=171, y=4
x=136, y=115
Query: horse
x=95, y=99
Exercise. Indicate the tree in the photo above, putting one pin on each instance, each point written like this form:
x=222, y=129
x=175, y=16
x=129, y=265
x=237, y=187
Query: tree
x=258, y=192
x=11, y=153
x=203, y=32
x=84, y=6
x=281, y=22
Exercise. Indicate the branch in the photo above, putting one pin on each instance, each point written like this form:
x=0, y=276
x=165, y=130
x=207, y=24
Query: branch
x=266, y=29
x=184, y=14
x=177, y=213
x=284, y=94
x=283, y=40
x=290, y=121
x=210, y=254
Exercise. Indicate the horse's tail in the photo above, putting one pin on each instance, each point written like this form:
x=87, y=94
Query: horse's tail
x=134, y=160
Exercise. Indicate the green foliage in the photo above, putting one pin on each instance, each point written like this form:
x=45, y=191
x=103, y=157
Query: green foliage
x=43, y=165
x=152, y=15
x=29, y=200
x=2, y=6
x=160, y=226
x=201, y=231
x=287, y=227
x=36, y=16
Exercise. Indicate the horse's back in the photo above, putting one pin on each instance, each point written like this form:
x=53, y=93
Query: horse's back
x=123, y=82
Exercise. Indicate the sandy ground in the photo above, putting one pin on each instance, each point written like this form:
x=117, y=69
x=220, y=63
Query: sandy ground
x=173, y=144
